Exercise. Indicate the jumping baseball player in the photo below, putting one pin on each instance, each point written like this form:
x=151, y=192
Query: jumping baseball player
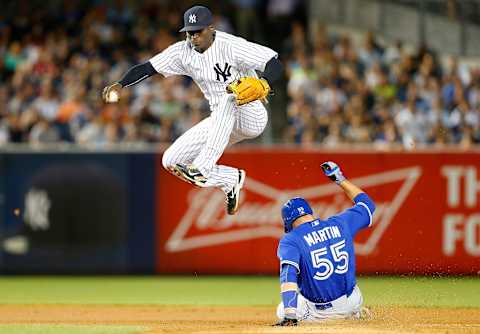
x=317, y=259
x=225, y=69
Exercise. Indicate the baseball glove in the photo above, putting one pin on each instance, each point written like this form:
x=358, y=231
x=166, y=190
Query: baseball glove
x=249, y=89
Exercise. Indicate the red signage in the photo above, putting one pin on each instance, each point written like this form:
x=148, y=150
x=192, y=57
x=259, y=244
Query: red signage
x=427, y=218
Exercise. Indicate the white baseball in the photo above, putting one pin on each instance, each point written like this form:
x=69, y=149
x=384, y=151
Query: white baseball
x=112, y=96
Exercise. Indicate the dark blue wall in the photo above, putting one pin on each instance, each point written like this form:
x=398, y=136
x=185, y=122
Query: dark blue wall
x=99, y=206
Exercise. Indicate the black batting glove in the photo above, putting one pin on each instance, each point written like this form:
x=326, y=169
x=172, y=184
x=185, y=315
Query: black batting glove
x=287, y=322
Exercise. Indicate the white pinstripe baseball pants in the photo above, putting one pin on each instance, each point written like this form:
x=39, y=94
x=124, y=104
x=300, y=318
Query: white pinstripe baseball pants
x=204, y=143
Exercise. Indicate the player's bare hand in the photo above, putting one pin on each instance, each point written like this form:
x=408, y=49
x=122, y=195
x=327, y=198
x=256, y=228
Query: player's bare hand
x=287, y=322
x=111, y=93
x=333, y=171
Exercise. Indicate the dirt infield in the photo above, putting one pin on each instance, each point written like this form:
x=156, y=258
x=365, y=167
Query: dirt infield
x=221, y=319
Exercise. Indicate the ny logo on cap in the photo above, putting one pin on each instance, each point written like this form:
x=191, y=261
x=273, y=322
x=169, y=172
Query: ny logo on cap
x=301, y=210
x=192, y=18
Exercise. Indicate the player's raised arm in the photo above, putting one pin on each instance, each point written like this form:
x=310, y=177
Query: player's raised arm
x=360, y=215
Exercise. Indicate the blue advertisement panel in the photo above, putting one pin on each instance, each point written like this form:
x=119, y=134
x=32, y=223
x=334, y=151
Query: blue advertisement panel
x=141, y=214
x=76, y=213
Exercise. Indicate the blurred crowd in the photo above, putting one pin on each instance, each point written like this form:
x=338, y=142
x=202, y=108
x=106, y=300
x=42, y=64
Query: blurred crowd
x=456, y=10
x=55, y=60
x=56, y=57
x=344, y=92
x=54, y=63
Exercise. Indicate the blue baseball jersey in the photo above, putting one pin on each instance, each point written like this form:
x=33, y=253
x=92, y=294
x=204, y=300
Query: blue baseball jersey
x=323, y=252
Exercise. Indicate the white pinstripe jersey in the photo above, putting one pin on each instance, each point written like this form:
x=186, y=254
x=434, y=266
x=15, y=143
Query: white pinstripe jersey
x=228, y=58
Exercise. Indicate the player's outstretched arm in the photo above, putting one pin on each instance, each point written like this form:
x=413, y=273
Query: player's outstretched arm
x=289, y=290
x=361, y=214
x=134, y=75
x=334, y=173
x=350, y=189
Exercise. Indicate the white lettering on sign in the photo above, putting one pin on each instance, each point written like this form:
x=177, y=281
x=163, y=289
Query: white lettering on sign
x=462, y=193
x=472, y=186
x=455, y=175
x=458, y=228
x=451, y=232
x=472, y=235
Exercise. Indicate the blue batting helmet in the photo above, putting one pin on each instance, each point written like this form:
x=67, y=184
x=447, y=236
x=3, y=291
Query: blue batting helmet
x=293, y=209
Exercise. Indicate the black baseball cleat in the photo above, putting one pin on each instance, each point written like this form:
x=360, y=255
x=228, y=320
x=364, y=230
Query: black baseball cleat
x=190, y=174
x=233, y=196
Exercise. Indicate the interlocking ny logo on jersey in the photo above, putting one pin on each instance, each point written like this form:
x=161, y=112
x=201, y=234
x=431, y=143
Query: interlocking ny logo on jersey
x=192, y=18
x=225, y=73
x=205, y=222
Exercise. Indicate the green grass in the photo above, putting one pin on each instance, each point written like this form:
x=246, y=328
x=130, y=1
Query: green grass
x=208, y=290
x=421, y=291
x=195, y=290
x=214, y=290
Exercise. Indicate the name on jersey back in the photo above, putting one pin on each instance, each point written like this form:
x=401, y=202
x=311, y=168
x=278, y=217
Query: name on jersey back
x=324, y=234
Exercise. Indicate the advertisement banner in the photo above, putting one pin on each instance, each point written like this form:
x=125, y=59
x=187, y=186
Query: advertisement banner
x=427, y=218
x=71, y=213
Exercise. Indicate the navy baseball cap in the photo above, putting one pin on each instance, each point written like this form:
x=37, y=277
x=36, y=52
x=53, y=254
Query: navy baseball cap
x=197, y=18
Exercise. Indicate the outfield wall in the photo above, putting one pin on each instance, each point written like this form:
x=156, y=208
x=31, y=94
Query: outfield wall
x=427, y=218
x=120, y=212
x=77, y=212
